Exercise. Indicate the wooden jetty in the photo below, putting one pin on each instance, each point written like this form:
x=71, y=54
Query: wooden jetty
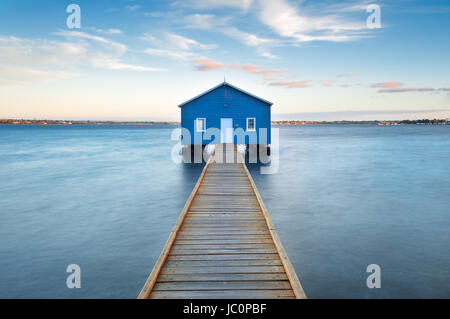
x=224, y=244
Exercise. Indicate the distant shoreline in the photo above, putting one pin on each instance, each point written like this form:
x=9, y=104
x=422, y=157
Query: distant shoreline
x=374, y=122
x=63, y=122
x=345, y=122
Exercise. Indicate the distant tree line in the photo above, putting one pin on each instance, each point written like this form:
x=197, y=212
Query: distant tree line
x=296, y=122
x=63, y=122
x=375, y=122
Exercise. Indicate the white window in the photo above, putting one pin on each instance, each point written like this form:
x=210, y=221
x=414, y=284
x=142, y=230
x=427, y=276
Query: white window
x=251, y=124
x=201, y=124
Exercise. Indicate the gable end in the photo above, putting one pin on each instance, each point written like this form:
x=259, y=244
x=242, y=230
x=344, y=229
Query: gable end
x=231, y=86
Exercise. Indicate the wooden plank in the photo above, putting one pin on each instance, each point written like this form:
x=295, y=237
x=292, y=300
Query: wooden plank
x=260, y=233
x=186, y=232
x=224, y=212
x=189, y=246
x=225, y=218
x=236, y=223
x=232, y=189
x=239, y=257
x=221, y=208
x=224, y=285
x=222, y=217
x=222, y=251
x=227, y=226
x=225, y=204
x=222, y=263
x=239, y=223
x=223, y=241
x=224, y=209
x=222, y=237
x=203, y=219
x=226, y=198
x=290, y=271
x=199, y=217
x=225, y=294
x=203, y=228
x=222, y=277
x=148, y=286
x=233, y=194
x=223, y=270
x=224, y=193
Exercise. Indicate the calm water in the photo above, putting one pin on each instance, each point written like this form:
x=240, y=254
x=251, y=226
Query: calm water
x=106, y=198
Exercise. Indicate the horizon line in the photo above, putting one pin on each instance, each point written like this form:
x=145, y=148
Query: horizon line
x=4, y=121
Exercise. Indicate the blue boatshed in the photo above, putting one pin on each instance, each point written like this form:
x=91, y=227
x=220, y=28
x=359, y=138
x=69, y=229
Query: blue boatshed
x=230, y=112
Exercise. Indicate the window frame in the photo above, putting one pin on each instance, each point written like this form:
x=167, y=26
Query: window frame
x=254, y=124
x=197, y=122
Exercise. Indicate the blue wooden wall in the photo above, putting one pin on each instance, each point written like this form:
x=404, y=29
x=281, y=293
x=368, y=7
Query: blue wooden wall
x=239, y=107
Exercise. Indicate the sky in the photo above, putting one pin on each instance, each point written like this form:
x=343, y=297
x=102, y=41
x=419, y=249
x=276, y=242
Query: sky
x=139, y=59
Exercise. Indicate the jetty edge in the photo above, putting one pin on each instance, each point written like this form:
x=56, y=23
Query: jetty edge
x=224, y=244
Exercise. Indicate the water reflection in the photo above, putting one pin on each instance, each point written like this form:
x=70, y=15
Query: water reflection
x=191, y=171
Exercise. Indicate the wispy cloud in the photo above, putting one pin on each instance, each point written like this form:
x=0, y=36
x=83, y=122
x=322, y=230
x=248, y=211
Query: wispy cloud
x=214, y=4
x=116, y=47
x=24, y=59
x=133, y=7
x=387, y=85
x=402, y=90
x=184, y=43
x=174, y=54
x=246, y=38
x=261, y=44
x=116, y=64
x=344, y=7
x=223, y=25
x=292, y=84
x=397, y=87
x=175, y=46
x=268, y=55
x=24, y=51
x=204, y=21
x=328, y=83
x=286, y=20
x=205, y=64
x=18, y=74
x=268, y=74
x=110, y=57
x=109, y=31
x=348, y=75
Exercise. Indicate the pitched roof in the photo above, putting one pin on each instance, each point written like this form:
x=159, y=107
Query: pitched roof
x=231, y=86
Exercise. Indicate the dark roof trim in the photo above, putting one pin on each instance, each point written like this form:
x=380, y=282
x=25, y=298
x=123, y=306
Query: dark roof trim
x=231, y=86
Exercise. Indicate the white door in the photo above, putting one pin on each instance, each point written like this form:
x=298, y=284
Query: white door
x=226, y=130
